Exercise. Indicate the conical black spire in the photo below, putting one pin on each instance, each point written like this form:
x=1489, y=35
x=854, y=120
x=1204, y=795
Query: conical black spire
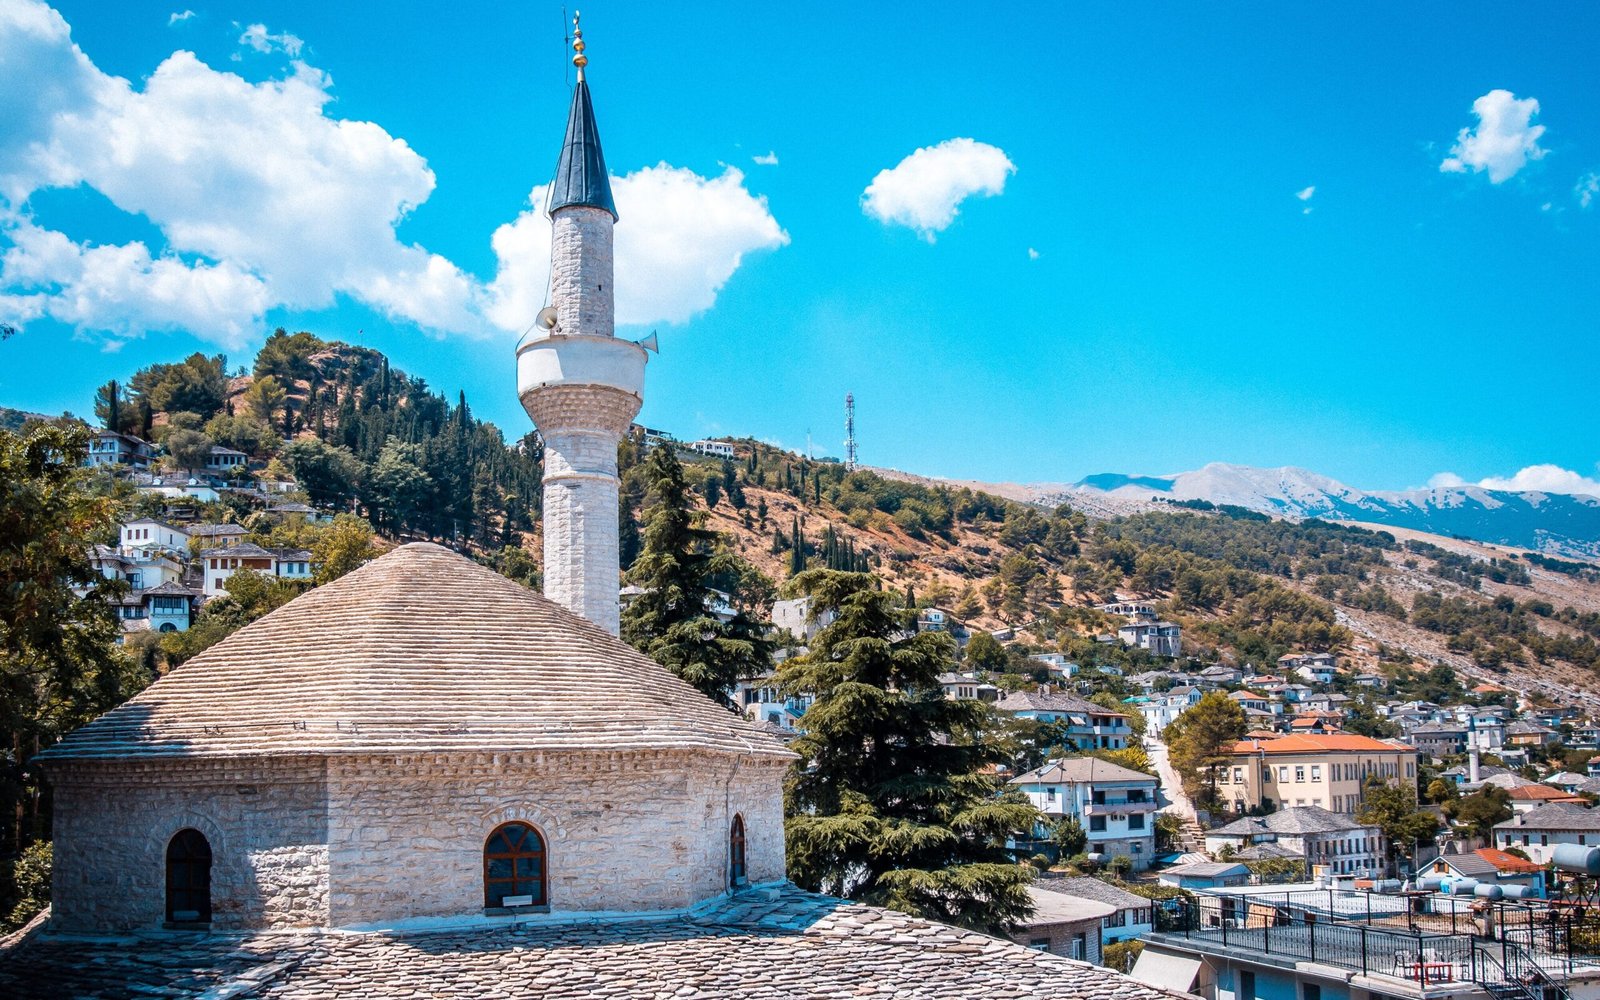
x=581, y=175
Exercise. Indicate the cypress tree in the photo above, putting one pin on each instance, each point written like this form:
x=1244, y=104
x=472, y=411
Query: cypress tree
x=890, y=802
x=673, y=622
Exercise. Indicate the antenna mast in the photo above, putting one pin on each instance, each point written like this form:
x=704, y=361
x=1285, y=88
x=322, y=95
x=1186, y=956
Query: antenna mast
x=850, y=431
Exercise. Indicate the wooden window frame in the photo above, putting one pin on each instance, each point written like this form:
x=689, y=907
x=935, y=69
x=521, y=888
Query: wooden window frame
x=540, y=883
x=738, y=867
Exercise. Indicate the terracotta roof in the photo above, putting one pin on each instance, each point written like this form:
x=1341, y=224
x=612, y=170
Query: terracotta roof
x=1534, y=792
x=762, y=944
x=1314, y=743
x=374, y=663
x=1506, y=862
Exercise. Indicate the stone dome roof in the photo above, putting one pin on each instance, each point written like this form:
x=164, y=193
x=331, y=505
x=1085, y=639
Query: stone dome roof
x=419, y=651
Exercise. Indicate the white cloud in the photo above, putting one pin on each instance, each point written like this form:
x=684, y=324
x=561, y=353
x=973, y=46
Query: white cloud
x=257, y=37
x=680, y=239
x=1033, y=254
x=1504, y=140
x=1587, y=188
x=1304, y=194
x=179, y=17
x=768, y=160
x=264, y=201
x=924, y=191
x=1533, y=478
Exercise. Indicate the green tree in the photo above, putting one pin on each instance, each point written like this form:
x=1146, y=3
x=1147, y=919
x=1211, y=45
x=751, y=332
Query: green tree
x=330, y=474
x=1199, y=741
x=984, y=652
x=265, y=398
x=343, y=545
x=198, y=384
x=1476, y=814
x=287, y=357
x=59, y=662
x=674, y=621
x=891, y=802
x=1393, y=810
x=1069, y=837
x=399, y=487
x=1120, y=956
x=190, y=450
x=516, y=563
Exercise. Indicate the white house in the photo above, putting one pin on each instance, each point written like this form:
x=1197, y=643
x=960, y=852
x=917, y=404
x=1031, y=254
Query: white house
x=1116, y=805
x=1163, y=709
x=146, y=533
x=1319, y=836
x=716, y=449
x=1318, y=668
x=1540, y=831
x=1057, y=664
x=221, y=563
x=1160, y=638
x=112, y=448
x=224, y=461
x=967, y=686
x=1090, y=726
x=794, y=616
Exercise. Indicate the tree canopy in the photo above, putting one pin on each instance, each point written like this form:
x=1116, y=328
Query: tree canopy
x=890, y=802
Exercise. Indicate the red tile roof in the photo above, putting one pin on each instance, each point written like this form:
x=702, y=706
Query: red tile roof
x=1314, y=743
x=1506, y=862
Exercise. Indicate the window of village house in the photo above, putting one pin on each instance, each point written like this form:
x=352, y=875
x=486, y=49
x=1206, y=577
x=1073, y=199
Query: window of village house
x=189, y=878
x=736, y=852
x=1316, y=772
x=1299, y=773
x=514, y=866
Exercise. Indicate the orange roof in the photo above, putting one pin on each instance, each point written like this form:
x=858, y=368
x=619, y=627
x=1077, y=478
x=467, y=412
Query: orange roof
x=1314, y=743
x=1487, y=689
x=1304, y=723
x=1261, y=734
x=1543, y=793
x=1506, y=862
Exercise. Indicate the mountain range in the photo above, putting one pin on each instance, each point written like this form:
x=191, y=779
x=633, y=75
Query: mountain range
x=1551, y=523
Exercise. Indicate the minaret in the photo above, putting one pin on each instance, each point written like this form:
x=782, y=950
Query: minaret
x=580, y=384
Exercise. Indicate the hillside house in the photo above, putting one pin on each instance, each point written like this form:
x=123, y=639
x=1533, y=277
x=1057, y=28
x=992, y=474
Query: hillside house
x=1163, y=709
x=715, y=449
x=221, y=563
x=1523, y=733
x=1160, y=638
x=795, y=617
x=226, y=461
x=1205, y=875
x=146, y=534
x=1438, y=738
x=1057, y=663
x=967, y=686
x=1323, y=838
x=113, y=448
x=1318, y=668
x=1540, y=831
x=216, y=536
x=1135, y=610
x=1088, y=726
x=1218, y=675
x=1116, y=805
x=937, y=620
x=167, y=607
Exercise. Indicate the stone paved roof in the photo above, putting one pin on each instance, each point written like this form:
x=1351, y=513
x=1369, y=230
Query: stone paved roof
x=762, y=944
x=1092, y=888
x=1293, y=821
x=1024, y=701
x=374, y=663
x=1073, y=770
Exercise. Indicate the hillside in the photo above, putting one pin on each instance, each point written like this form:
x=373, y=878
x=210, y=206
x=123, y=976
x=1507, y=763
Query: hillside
x=361, y=436
x=1556, y=524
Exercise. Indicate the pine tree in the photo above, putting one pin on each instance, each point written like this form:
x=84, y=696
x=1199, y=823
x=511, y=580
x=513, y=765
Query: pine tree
x=673, y=622
x=890, y=802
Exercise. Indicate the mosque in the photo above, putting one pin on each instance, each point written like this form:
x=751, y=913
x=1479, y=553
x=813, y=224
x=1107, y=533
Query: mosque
x=423, y=779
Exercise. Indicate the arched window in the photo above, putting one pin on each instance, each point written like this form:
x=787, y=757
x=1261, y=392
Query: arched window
x=189, y=878
x=736, y=852
x=513, y=866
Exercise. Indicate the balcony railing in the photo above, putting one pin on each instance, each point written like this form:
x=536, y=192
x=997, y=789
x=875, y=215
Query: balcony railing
x=1519, y=951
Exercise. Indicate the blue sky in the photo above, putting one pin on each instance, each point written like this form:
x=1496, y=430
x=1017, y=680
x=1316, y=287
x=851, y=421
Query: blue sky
x=1132, y=282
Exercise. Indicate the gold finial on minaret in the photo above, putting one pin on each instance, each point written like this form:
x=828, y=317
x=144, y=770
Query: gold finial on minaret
x=580, y=60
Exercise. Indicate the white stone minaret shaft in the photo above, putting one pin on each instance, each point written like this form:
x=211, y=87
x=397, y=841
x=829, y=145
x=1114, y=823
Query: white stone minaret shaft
x=580, y=384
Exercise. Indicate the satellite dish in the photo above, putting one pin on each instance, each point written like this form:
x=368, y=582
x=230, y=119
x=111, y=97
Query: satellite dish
x=546, y=318
x=651, y=344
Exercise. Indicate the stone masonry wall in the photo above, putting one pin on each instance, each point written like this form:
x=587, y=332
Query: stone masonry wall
x=581, y=426
x=623, y=832
x=266, y=827
x=581, y=270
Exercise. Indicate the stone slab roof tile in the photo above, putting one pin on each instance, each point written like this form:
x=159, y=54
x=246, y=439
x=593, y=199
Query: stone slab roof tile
x=373, y=663
x=763, y=944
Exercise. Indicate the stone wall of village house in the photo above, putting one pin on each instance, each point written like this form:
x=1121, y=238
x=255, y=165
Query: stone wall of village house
x=624, y=832
x=266, y=827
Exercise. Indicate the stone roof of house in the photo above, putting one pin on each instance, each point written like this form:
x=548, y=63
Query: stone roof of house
x=762, y=944
x=1085, y=887
x=1073, y=770
x=1025, y=701
x=1060, y=908
x=1269, y=850
x=1554, y=816
x=1525, y=728
x=375, y=663
x=1206, y=869
x=215, y=529
x=1290, y=822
